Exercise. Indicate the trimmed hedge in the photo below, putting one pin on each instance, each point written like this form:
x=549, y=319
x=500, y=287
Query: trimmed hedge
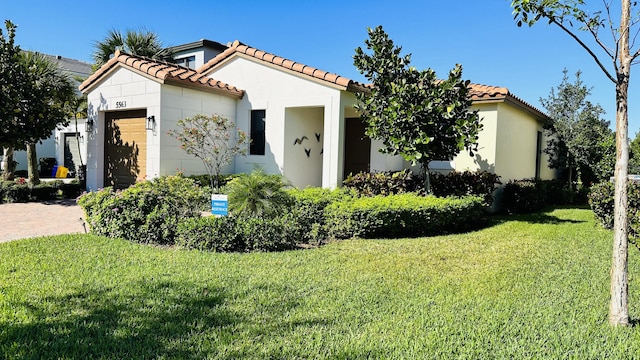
x=601, y=200
x=404, y=215
x=530, y=195
x=237, y=234
x=308, y=211
x=21, y=191
x=384, y=183
x=147, y=212
x=480, y=183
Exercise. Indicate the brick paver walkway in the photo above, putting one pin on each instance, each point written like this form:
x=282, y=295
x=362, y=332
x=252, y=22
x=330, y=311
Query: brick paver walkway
x=24, y=220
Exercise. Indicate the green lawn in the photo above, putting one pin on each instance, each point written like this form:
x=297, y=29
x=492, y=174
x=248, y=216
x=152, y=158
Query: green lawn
x=526, y=287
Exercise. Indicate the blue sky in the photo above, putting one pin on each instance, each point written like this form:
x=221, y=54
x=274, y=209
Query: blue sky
x=480, y=35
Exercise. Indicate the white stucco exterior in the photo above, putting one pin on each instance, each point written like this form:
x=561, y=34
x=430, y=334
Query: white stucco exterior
x=280, y=93
x=305, y=120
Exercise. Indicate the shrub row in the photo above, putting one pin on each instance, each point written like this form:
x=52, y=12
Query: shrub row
x=237, y=234
x=530, y=195
x=21, y=191
x=383, y=183
x=601, y=201
x=147, y=212
x=404, y=215
x=481, y=183
x=166, y=211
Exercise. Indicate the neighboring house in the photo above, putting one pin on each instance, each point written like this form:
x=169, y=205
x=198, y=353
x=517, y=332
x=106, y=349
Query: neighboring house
x=301, y=120
x=63, y=143
x=511, y=141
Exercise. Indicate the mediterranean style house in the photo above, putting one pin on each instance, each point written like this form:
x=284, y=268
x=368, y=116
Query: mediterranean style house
x=301, y=120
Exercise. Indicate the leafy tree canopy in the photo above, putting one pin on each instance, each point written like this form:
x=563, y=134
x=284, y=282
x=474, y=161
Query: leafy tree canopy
x=578, y=135
x=35, y=94
x=414, y=114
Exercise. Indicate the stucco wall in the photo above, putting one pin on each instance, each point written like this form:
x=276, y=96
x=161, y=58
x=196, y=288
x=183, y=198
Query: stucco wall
x=275, y=90
x=179, y=103
x=130, y=91
x=300, y=168
x=45, y=149
x=485, y=157
x=516, y=143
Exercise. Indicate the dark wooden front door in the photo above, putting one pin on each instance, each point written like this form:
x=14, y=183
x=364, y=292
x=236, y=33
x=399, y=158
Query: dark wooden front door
x=125, y=148
x=357, y=147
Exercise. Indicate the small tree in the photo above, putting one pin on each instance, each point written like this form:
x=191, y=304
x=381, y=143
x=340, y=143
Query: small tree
x=412, y=112
x=43, y=105
x=583, y=23
x=209, y=138
x=577, y=131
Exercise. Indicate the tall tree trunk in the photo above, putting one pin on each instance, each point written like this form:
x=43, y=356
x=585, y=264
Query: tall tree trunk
x=7, y=163
x=619, y=306
x=32, y=164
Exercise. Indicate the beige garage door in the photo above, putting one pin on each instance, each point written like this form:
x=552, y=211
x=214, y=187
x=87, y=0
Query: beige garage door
x=125, y=148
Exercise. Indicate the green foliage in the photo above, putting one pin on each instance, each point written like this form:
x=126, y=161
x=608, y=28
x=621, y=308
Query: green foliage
x=414, y=114
x=233, y=234
x=403, y=215
x=530, y=195
x=383, y=183
x=205, y=179
x=601, y=200
x=137, y=42
x=480, y=183
x=147, y=212
x=579, y=140
x=308, y=210
x=45, y=191
x=211, y=233
x=14, y=191
x=258, y=194
x=523, y=196
x=71, y=190
x=212, y=139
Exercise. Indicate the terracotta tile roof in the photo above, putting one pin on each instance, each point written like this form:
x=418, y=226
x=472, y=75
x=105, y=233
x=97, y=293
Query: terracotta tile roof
x=244, y=50
x=486, y=93
x=167, y=73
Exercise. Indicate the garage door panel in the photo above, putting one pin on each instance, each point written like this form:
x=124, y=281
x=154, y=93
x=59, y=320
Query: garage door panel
x=125, y=148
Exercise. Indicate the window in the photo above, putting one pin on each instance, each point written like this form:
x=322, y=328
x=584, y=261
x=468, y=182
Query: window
x=189, y=61
x=257, y=132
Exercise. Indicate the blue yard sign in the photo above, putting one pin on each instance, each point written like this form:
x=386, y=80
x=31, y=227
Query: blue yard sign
x=219, y=205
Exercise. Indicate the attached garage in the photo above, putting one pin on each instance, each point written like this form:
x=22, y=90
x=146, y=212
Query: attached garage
x=125, y=148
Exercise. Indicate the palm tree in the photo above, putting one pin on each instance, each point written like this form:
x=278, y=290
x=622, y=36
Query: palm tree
x=258, y=194
x=44, y=103
x=143, y=43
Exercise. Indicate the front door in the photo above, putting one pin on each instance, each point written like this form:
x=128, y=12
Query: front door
x=71, y=152
x=125, y=149
x=357, y=147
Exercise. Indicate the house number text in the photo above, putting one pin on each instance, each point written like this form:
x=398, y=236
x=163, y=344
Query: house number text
x=121, y=104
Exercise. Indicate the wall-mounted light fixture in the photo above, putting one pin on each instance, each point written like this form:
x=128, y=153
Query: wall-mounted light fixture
x=89, y=125
x=151, y=123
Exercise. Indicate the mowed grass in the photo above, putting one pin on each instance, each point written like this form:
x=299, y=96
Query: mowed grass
x=526, y=287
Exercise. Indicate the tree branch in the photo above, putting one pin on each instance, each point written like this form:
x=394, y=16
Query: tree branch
x=584, y=46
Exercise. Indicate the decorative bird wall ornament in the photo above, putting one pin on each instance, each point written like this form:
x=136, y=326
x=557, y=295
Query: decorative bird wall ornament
x=300, y=140
x=307, y=151
x=317, y=136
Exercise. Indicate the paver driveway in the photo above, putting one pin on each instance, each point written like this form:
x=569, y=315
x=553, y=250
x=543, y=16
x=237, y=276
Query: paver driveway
x=24, y=220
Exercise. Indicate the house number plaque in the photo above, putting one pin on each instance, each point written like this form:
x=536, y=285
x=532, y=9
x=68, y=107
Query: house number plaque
x=121, y=104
